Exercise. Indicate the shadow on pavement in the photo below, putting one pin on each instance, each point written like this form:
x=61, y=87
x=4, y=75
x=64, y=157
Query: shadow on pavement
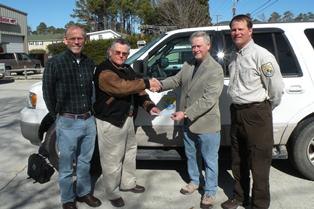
x=286, y=167
x=225, y=180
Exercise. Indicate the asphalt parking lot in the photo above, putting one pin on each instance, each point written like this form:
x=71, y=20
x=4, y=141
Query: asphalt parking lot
x=162, y=179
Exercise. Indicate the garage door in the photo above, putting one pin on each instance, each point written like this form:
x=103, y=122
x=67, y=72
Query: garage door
x=12, y=43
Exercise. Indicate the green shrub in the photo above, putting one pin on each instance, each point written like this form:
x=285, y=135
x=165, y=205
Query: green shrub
x=37, y=51
x=97, y=49
x=56, y=48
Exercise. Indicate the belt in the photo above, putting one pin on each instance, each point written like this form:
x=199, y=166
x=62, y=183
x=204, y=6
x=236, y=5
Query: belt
x=248, y=105
x=83, y=116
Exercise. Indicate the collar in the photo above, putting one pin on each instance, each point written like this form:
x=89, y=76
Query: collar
x=69, y=53
x=199, y=62
x=246, y=48
x=119, y=67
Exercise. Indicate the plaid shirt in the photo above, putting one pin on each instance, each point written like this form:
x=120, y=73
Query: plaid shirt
x=67, y=85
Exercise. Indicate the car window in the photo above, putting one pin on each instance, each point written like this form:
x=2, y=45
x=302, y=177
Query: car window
x=170, y=57
x=19, y=56
x=140, y=52
x=168, y=60
x=7, y=56
x=273, y=41
x=310, y=35
x=288, y=63
x=24, y=56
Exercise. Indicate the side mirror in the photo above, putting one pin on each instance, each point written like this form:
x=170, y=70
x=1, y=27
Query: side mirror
x=138, y=66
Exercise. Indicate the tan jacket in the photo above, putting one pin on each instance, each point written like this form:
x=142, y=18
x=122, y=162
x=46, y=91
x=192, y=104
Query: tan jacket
x=199, y=96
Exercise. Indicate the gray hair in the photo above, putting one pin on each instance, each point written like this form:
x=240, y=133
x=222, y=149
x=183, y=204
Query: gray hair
x=73, y=27
x=120, y=41
x=202, y=34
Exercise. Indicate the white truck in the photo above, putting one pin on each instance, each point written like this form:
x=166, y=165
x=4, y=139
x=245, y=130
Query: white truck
x=293, y=120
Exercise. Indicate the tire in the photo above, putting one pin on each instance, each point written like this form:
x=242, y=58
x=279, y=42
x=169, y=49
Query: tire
x=37, y=66
x=7, y=70
x=301, y=148
x=51, y=146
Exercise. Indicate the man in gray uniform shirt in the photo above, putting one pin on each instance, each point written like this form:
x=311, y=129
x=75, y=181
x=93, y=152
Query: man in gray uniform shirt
x=255, y=88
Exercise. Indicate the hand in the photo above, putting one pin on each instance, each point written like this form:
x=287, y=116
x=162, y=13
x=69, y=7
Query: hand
x=155, y=85
x=154, y=111
x=177, y=116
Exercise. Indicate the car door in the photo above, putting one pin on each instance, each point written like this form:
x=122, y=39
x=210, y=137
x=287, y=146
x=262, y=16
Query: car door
x=24, y=61
x=165, y=61
x=297, y=84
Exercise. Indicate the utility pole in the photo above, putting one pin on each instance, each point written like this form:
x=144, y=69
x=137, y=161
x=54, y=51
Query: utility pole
x=209, y=10
x=234, y=7
x=217, y=19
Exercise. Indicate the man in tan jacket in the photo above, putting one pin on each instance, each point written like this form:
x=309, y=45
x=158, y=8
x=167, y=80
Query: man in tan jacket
x=201, y=82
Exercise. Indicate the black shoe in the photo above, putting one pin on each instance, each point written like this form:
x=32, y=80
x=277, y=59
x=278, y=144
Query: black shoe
x=69, y=205
x=117, y=202
x=90, y=200
x=231, y=204
x=136, y=189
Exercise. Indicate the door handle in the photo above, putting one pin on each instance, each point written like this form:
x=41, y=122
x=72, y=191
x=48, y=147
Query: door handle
x=295, y=89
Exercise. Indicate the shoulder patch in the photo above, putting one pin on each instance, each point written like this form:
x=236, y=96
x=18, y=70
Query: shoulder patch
x=267, y=69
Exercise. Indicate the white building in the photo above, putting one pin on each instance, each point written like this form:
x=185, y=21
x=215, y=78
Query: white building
x=41, y=41
x=103, y=34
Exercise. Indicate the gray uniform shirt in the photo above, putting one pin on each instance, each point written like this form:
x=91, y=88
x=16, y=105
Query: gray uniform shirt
x=254, y=76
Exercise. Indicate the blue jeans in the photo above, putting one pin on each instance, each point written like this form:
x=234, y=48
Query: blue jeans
x=75, y=142
x=208, y=145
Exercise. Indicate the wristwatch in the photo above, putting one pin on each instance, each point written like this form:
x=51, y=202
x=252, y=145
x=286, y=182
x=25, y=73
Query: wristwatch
x=185, y=116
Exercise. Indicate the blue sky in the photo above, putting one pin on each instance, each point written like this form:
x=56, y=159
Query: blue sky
x=57, y=12
x=258, y=8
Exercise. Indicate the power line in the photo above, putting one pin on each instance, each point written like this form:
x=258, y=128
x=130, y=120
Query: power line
x=258, y=8
x=263, y=8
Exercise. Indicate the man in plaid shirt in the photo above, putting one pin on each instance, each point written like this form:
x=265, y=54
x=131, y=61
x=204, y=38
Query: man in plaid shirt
x=67, y=91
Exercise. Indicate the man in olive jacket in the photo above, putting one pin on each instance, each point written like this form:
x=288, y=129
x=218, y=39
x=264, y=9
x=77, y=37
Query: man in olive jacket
x=201, y=82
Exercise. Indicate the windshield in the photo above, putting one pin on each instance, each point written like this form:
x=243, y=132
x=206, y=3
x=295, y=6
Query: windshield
x=139, y=53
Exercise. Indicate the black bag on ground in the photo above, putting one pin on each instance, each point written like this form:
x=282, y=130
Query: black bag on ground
x=39, y=169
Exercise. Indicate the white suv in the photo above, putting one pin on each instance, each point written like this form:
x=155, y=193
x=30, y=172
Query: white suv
x=291, y=43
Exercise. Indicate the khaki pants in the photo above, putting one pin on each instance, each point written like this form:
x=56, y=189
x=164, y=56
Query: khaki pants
x=117, y=151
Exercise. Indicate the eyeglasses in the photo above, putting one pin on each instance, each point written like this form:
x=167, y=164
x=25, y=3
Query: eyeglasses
x=124, y=54
x=73, y=39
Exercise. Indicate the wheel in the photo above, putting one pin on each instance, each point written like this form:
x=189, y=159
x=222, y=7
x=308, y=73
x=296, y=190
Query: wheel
x=301, y=148
x=37, y=71
x=7, y=70
x=51, y=146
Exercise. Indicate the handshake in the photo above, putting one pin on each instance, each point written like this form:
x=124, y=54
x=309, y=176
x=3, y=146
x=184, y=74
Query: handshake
x=155, y=85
